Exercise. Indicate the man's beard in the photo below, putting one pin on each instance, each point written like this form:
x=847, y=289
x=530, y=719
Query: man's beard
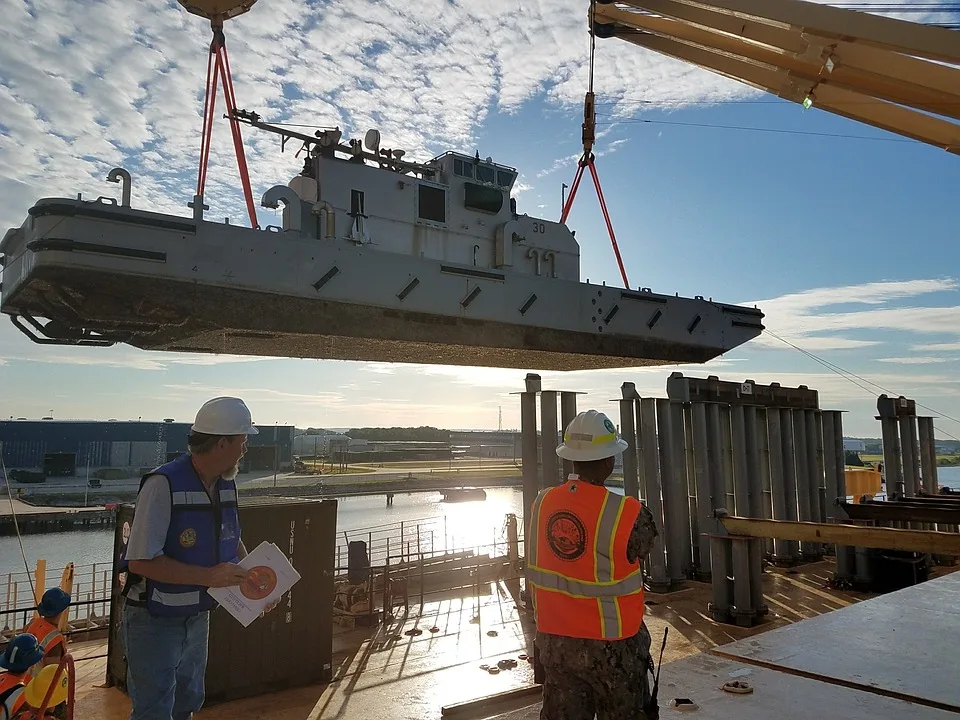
x=231, y=473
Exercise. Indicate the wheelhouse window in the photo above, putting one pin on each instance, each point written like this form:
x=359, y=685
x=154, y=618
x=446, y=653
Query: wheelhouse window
x=486, y=174
x=483, y=198
x=432, y=204
x=462, y=168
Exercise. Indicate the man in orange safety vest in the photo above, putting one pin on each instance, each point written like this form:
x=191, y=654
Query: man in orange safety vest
x=584, y=568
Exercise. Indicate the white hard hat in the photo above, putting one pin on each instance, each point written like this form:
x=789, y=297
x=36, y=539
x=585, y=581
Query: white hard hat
x=590, y=436
x=224, y=416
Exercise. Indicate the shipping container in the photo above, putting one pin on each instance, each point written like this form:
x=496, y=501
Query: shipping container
x=293, y=645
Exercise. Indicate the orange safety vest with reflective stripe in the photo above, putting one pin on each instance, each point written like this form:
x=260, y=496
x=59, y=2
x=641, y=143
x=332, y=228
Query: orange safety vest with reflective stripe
x=583, y=584
x=11, y=694
x=47, y=634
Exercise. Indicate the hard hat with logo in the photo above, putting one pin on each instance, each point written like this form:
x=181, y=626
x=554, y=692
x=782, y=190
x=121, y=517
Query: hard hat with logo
x=590, y=436
x=39, y=685
x=224, y=416
x=22, y=653
x=54, y=601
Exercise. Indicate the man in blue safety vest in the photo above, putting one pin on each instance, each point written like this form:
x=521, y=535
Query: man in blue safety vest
x=185, y=538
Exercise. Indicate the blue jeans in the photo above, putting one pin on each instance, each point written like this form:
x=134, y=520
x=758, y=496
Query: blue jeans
x=166, y=661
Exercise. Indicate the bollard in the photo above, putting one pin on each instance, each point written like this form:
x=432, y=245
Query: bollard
x=737, y=590
x=659, y=582
x=721, y=560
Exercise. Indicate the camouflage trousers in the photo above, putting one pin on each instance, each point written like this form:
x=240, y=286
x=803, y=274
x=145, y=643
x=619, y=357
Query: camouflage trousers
x=587, y=678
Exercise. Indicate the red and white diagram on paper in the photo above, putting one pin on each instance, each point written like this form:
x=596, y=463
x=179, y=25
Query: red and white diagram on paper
x=260, y=583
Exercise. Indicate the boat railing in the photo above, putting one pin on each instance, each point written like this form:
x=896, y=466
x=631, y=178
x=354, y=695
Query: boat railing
x=89, y=598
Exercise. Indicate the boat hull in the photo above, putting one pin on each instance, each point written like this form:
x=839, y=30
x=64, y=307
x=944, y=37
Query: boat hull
x=106, y=274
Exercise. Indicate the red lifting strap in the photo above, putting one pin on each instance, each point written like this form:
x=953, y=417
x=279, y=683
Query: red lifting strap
x=219, y=65
x=587, y=161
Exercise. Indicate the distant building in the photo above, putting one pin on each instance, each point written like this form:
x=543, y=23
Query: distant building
x=854, y=445
x=64, y=448
x=502, y=444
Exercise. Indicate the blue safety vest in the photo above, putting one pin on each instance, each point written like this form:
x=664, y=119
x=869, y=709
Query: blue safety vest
x=198, y=535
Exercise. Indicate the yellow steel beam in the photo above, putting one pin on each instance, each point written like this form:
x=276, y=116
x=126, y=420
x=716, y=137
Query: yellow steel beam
x=907, y=81
x=919, y=84
x=839, y=23
x=850, y=92
x=923, y=541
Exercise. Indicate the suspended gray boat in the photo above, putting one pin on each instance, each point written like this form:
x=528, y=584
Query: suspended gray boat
x=377, y=259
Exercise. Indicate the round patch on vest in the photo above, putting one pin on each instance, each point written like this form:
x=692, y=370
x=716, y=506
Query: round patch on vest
x=566, y=535
x=188, y=538
x=260, y=582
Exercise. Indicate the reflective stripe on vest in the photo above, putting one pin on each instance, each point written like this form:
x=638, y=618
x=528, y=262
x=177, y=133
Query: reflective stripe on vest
x=197, y=535
x=616, y=584
x=47, y=633
x=11, y=693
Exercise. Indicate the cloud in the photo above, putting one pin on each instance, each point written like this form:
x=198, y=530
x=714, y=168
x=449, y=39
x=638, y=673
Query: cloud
x=93, y=84
x=915, y=360
x=938, y=347
x=817, y=318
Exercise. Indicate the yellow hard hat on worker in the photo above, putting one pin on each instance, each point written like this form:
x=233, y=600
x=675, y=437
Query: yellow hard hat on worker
x=36, y=690
x=591, y=436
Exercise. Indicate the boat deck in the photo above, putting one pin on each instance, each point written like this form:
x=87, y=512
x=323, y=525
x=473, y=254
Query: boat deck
x=888, y=658
x=394, y=675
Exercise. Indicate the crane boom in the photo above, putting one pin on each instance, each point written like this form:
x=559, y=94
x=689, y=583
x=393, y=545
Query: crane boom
x=900, y=76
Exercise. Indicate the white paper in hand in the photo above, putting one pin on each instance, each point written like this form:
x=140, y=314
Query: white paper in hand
x=270, y=575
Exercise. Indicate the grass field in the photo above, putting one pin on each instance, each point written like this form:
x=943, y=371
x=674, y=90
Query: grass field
x=942, y=460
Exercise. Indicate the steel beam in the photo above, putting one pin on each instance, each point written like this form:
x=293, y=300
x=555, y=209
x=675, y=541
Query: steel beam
x=656, y=560
x=928, y=455
x=529, y=443
x=628, y=431
x=839, y=23
x=791, y=547
x=568, y=411
x=893, y=475
x=894, y=92
x=923, y=541
x=548, y=438
x=901, y=512
x=705, y=501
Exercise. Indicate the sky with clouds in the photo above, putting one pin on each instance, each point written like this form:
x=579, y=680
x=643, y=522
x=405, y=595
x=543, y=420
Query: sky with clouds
x=845, y=236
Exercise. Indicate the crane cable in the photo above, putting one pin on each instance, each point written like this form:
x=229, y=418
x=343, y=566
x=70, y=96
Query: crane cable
x=588, y=159
x=218, y=64
x=16, y=527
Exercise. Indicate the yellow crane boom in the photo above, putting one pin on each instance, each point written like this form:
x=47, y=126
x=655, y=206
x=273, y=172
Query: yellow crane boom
x=900, y=76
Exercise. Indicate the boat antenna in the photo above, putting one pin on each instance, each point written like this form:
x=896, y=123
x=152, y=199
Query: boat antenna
x=588, y=159
x=218, y=64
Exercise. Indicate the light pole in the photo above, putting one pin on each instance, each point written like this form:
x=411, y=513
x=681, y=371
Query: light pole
x=276, y=450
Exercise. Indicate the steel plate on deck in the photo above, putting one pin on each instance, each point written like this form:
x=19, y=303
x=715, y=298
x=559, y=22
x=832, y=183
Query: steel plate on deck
x=906, y=643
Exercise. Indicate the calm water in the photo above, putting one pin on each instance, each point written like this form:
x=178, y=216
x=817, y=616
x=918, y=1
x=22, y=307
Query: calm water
x=466, y=524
